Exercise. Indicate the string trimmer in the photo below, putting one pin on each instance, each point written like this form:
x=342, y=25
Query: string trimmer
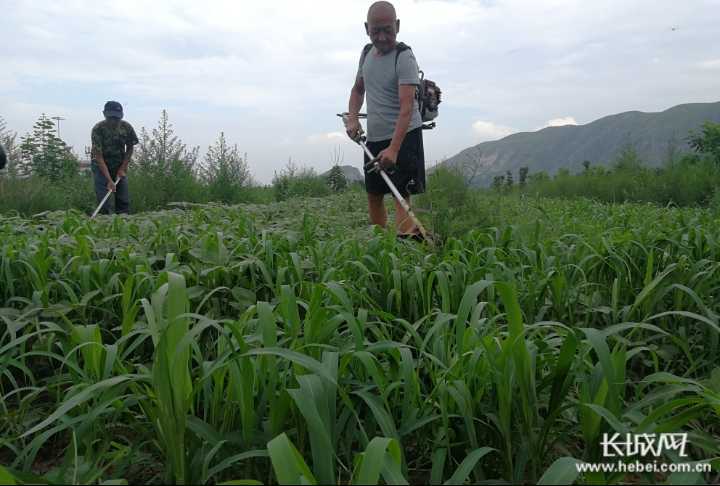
x=374, y=166
x=97, y=210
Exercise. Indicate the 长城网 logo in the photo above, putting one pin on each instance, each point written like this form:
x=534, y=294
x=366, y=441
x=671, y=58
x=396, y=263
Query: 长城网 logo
x=630, y=445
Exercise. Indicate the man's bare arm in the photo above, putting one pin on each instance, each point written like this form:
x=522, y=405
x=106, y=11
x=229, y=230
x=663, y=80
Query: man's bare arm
x=407, y=97
x=357, y=98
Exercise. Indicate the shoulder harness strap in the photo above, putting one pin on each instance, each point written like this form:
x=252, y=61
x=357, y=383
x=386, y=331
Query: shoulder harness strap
x=401, y=46
x=364, y=54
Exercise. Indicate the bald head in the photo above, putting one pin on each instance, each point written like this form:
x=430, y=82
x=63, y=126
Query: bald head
x=382, y=26
x=381, y=11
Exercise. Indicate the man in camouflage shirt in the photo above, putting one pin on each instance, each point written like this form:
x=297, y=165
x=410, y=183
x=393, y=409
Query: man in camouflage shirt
x=112, y=146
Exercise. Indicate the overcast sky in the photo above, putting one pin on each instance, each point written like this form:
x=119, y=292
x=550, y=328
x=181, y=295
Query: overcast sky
x=273, y=74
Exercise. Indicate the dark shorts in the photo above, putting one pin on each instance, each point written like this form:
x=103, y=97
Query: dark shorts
x=409, y=172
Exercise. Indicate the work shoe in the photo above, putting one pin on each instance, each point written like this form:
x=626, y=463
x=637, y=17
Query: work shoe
x=411, y=236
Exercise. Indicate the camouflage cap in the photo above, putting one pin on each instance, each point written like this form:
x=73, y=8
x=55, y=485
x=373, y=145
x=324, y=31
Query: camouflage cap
x=113, y=109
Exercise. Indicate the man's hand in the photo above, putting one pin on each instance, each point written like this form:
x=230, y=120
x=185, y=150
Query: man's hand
x=353, y=128
x=111, y=186
x=387, y=158
x=121, y=173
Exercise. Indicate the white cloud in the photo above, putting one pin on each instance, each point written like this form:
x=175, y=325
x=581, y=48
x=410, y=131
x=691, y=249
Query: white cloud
x=330, y=137
x=280, y=70
x=560, y=122
x=486, y=131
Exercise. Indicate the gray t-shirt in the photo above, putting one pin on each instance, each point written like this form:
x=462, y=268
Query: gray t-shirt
x=383, y=94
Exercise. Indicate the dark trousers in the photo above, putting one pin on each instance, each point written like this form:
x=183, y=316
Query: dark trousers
x=122, y=195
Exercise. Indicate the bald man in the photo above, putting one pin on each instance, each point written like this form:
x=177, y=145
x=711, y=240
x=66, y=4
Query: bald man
x=389, y=76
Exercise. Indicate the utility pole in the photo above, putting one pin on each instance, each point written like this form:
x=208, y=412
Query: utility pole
x=57, y=124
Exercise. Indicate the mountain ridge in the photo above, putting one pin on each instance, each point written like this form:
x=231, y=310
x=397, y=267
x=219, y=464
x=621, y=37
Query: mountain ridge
x=654, y=135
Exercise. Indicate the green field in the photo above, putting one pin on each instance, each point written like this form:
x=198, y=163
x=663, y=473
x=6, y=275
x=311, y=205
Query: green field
x=292, y=343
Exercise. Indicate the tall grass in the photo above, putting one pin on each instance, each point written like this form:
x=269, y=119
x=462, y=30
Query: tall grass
x=289, y=343
x=688, y=181
x=148, y=192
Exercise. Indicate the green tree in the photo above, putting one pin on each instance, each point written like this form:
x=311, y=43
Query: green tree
x=672, y=151
x=627, y=160
x=562, y=173
x=281, y=180
x=293, y=181
x=522, y=176
x=509, y=180
x=707, y=141
x=226, y=172
x=498, y=182
x=162, y=153
x=538, y=177
x=43, y=154
x=336, y=179
x=163, y=168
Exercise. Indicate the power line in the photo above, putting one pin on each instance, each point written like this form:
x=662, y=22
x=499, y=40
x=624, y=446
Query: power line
x=57, y=124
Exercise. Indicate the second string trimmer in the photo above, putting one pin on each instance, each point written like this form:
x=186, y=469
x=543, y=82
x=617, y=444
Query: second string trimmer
x=104, y=200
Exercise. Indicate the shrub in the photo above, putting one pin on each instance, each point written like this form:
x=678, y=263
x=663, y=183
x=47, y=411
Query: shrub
x=303, y=182
x=454, y=207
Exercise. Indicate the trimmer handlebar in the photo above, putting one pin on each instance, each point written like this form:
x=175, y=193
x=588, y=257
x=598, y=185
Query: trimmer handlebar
x=372, y=165
x=346, y=114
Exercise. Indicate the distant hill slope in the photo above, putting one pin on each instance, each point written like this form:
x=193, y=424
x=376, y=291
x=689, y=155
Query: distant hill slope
x=351, y=173
x=653, y=135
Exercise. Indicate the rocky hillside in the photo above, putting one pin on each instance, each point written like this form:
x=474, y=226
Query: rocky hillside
x=653, y=135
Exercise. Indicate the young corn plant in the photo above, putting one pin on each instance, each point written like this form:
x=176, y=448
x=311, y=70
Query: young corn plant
x=171, y=388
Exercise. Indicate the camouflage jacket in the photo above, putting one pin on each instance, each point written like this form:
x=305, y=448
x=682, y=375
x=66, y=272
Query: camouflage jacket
x=112, y=138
